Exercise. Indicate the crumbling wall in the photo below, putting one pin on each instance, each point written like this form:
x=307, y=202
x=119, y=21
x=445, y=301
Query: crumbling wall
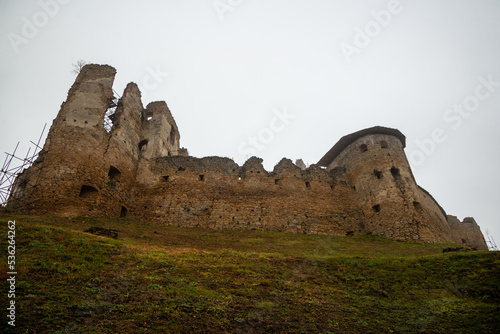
x=467, y=233
x=83, y=169
x=74, y=150
x=215, y=192
x=160, y=134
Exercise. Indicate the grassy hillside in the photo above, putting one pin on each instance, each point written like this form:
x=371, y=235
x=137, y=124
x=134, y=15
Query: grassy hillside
x=154, y=279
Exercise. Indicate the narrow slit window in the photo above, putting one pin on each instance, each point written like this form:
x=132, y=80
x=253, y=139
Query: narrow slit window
x=123, y=212
x=143, y=145
x=201, y=177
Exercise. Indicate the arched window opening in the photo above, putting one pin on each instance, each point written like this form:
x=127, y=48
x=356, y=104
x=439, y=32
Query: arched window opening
x=113, y=173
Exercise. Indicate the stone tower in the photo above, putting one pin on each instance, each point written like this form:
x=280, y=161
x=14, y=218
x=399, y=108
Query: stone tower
x=394, y=206
x=85, y=170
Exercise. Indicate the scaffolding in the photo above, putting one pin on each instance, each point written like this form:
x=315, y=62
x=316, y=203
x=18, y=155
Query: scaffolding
x=109, y=115
x=492, y=246
x=14, y=165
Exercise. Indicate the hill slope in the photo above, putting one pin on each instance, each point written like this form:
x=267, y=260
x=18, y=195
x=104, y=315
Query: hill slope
x=154, y=279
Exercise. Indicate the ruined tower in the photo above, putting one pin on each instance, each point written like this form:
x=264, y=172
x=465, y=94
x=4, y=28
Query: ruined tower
x=85, y=170
x=394, y=206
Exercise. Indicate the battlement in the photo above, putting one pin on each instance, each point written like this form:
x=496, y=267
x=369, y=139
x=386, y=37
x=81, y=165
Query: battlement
x=217, y=168
x=136, y=167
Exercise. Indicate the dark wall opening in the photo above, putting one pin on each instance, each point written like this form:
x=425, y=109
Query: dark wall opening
x=165, y=178
x=377, y=173
x=143, y=145
x=201, y=177
x=395, y=173
x=376, y=208
x=113, y=173
x=123, y=212
x=363, y=148
x=87, y=191
x=383, y=144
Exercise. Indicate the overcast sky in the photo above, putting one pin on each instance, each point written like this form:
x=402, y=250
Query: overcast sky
x=280, y=78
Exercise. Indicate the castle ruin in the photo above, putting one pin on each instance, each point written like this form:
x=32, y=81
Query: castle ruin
x=363, y=185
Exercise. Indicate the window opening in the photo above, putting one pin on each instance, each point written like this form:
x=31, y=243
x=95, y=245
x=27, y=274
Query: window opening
x=113, y=173
x=87, y=191
x=143, y=145
x=123, y=212
x=395, y=172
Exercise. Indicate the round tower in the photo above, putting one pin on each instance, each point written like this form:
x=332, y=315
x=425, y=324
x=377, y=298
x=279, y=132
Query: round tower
x=394, y=206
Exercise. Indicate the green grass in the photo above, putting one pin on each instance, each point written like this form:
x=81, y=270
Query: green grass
x=155, y=279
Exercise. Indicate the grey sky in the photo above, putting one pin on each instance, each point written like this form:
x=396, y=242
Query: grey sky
x=328, y=68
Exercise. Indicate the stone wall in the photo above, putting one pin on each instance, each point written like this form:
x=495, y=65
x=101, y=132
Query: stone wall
x=365, y=184
x=217, y=193
x=467, y=233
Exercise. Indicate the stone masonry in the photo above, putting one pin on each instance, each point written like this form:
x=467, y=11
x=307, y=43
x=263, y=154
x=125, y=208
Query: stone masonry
x=363, y=185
